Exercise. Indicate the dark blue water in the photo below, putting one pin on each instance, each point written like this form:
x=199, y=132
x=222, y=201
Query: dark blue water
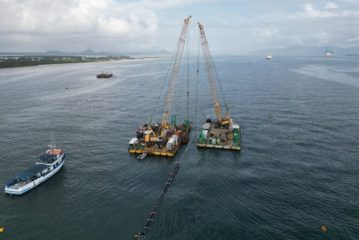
x=298, y=168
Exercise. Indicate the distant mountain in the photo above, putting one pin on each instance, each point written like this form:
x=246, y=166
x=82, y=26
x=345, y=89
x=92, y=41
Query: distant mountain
x=309, y=51
x=160, y=52
x=87, y=52
x=55, y=52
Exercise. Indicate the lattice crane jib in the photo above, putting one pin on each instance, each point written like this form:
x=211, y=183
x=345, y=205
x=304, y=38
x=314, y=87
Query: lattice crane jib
x=175, y=71
x=210, y=70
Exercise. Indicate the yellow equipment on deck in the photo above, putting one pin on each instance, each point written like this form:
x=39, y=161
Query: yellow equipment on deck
x=158, y=139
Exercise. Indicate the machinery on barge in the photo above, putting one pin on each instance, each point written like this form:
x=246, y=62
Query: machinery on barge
x=166, y=137
x=222, y=132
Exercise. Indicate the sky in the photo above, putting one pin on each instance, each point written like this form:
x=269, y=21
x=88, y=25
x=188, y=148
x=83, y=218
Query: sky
x=232, y=27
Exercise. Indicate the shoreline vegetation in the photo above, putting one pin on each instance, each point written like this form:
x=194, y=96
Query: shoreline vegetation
x=27, y=61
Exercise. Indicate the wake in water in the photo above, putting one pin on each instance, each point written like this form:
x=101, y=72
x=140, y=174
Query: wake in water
x=329, y=73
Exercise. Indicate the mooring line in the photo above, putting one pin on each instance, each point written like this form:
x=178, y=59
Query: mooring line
x=155, y=208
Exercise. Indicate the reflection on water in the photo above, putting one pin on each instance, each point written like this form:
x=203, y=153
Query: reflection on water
x=331, y=73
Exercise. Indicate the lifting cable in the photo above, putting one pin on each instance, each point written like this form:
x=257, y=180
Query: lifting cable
x=197, y=84
x=187, y=69
x=166, y=77
x=222, y=94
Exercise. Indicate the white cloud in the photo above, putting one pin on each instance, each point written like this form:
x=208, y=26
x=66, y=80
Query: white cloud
x=112, y=23
x=310, y=11
x=323, y=38
x=313, y=25
x=354, y=40
x=330, y=5
x=330, y=10
x=268, y=32
x=100, y=24
x=80, y=16
x=138, y=25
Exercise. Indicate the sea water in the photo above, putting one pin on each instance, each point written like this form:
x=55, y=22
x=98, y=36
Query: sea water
x=297, y=170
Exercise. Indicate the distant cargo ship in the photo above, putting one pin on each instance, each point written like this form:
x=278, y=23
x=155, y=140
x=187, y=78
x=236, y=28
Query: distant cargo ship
x=104, y=75
x=52, y=162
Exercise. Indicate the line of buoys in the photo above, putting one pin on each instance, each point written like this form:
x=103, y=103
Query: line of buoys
x=323, y=229
x=154, y=210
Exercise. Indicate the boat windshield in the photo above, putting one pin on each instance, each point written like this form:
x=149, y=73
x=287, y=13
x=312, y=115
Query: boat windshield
x=48, y=158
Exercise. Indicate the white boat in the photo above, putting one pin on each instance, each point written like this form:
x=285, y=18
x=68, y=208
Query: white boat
x=52, y=162
x=269, y=57
x=329, y=52
x=142, y=156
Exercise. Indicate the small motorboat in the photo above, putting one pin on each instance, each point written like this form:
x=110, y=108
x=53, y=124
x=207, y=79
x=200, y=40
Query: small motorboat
x=142, y=156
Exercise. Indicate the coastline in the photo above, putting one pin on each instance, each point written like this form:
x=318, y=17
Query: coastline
x=53, y=60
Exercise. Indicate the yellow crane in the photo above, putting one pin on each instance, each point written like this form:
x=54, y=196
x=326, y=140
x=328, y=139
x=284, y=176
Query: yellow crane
x=164, y=139
x=209, y=65
x=222, y=133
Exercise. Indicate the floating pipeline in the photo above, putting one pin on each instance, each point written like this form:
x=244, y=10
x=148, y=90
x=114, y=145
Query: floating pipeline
x=154, y=210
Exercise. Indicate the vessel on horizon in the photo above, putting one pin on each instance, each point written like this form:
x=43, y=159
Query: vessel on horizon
x=104, y=75
x=329, y=53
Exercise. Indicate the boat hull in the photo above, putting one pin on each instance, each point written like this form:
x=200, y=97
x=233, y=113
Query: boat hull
x=215, y=137
x=156, y=152
x=181, y=137
x=23, y=189
x=228, y=147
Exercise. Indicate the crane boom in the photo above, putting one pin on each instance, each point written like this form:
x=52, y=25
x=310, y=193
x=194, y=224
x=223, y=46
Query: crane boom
x=175, y=71
x=210, y=72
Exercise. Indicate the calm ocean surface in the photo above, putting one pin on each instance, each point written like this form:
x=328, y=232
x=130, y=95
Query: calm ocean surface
x=298, y=168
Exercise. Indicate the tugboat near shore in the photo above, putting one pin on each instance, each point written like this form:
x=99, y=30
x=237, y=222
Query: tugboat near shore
x=104, y=75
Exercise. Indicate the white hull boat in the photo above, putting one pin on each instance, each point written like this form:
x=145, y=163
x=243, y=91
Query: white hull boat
x=52, y=162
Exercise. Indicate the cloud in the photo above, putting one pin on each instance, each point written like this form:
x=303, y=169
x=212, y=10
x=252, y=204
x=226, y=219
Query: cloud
x=304, y=24
x=329, y=10
x=88, y=21
x=354, y=40
x=142, y=25
x=80, y=16
x=312, y=12
x=330, y=5
x=266, y=32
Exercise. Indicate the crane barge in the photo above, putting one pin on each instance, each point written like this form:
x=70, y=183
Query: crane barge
x=165, y=138
x=221, y=133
